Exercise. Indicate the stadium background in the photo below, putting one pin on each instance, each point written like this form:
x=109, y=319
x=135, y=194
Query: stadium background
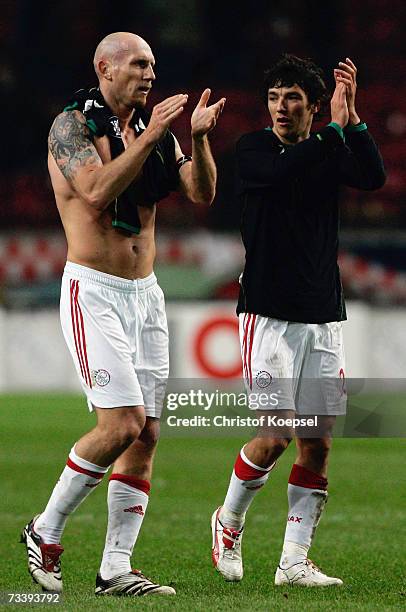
x=46, y=50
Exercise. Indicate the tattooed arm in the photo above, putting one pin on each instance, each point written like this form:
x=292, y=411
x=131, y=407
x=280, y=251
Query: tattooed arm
x=77, y=158
x=97, y=183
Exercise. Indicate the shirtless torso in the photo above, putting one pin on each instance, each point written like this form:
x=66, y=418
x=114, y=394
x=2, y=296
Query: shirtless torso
x=85, y=179
x=92, y=240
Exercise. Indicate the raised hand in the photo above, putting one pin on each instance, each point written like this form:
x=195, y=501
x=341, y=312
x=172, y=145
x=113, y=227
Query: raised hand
x=163, y=114
x=204, y=117
x=347, y=73
x=338, y=105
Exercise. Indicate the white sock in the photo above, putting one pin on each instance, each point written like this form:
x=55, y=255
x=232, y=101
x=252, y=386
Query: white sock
x=246, y=479
x=307, y=497
x=77, y=480
x=127, y=503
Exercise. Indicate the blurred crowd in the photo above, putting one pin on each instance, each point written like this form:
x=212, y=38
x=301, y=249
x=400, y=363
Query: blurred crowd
x=46, y=54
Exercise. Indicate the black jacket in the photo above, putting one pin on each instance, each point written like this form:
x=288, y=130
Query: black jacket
x=290, y=219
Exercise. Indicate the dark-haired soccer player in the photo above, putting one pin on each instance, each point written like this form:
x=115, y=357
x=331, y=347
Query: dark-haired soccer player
x=291, y=303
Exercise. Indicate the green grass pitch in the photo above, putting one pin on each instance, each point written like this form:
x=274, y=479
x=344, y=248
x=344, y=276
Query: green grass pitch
x=361, y=537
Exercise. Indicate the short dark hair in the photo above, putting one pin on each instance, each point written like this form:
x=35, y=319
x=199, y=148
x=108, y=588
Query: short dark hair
x=290, y=70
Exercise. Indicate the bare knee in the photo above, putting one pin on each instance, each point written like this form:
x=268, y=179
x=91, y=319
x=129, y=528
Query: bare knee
x=139, y=456
x=128, y=432
x=264, y=451
x=123, y=426
x=149, y=435
x=279, y=445
x=314, y=452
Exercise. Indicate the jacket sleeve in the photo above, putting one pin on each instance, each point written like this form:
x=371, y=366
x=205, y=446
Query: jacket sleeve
x=262, y=163
x=362, y=165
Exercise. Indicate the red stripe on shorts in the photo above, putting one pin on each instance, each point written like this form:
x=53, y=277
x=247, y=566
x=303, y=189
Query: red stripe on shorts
x=254, y=318
x=79, y=333
x=74, y=325
x=246, y=324
x=77, y=328
x=243, y=343
x=82, y=337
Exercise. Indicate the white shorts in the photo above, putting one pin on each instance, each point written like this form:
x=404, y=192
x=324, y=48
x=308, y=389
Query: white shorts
x=295, y=366
x=117, y=334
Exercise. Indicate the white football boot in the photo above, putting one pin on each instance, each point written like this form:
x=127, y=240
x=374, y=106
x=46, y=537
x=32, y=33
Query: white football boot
x=132, y=584
x=43, y=559
x=226, y=549
x=306, y=574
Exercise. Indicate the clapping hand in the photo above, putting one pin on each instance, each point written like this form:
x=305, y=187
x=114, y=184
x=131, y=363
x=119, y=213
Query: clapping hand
x=204, y=118
x=347, y=73
x=338, y=104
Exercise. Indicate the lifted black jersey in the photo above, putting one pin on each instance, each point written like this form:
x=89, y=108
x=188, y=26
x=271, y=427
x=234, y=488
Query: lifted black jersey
x=290, y=219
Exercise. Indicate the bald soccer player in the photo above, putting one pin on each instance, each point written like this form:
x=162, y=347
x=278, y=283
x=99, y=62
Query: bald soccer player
x=110, y=162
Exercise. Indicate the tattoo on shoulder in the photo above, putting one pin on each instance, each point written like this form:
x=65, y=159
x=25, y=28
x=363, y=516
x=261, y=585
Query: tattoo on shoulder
x=70, y=144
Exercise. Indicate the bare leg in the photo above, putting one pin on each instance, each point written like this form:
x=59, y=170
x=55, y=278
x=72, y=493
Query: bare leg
x=127, y=500
x=138, y=458
x=313, y=453
x=88, y=461
x=116, y=430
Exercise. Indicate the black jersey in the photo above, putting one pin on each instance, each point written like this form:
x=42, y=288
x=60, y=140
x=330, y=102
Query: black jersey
x=290, y=219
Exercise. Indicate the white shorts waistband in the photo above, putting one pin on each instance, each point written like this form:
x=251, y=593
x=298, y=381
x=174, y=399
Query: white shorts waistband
x=77, y=271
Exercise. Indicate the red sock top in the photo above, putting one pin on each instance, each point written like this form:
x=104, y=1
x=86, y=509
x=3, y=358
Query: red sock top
x=133, y=481
x=302, y=477
x=73, y=466
x=244, y=471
